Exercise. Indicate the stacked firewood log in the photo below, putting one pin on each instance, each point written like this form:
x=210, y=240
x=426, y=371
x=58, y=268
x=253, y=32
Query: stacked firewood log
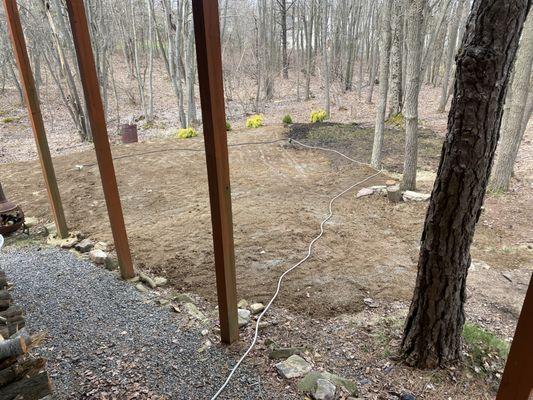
x=22, y=376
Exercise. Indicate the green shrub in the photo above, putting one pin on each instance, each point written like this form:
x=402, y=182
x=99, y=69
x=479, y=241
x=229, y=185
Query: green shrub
x=318, y=116
x=186, y=133
x=8, y=120
x=287, y=119
x=396, y=120
x=255, y=121
x=228, y=126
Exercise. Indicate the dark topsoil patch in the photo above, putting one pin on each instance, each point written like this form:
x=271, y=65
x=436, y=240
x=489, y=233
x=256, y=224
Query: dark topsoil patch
x=356, y=140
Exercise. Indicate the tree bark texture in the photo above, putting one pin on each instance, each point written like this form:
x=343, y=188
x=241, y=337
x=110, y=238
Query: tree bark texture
x=433, y=330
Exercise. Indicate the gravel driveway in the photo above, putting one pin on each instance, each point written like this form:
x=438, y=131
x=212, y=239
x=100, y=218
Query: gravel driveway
x=108, y=341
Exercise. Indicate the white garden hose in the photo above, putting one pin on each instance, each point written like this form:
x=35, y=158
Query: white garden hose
x=309, y=252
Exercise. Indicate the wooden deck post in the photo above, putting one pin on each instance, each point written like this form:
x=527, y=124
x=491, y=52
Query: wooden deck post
x=517, y=380
x=34, y=112
x=95, y=110
x=208, y=53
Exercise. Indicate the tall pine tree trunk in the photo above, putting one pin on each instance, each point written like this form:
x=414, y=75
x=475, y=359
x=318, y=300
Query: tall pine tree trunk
x=433, y=329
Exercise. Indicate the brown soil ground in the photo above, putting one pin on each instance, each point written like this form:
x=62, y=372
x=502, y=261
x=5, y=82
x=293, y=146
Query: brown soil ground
x=280, y=195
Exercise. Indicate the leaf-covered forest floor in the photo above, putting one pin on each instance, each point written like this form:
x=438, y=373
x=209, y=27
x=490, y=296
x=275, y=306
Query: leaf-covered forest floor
x=280, y=194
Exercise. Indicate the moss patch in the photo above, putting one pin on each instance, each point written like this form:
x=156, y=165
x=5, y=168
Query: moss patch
x=486, y=353
x=357, y=140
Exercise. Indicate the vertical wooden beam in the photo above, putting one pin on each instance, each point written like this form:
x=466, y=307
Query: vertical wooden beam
x=208, y=53
x=95, y=110
x=34, y=111
x=517, y=380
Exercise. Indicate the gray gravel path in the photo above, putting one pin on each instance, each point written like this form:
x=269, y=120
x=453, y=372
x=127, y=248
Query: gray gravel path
x=105, y=340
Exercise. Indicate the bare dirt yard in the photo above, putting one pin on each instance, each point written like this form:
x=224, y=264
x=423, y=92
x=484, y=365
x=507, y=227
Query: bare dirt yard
x=280, y=194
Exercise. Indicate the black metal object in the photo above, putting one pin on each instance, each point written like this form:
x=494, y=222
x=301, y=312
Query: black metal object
x=11, y=215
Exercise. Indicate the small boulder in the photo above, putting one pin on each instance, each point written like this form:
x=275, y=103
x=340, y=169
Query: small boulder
x=102, y=246
x=183, y=298
x=84, y=246
x=370, y=302
x=364, y=192
x=148, y=280
x=256, y=308
x=141, y=288
x=409, y=195
x=407, y=396
x=244, y=317
x=30, y=222
x=309, y=382
x=50, y=229
x=293, y=367
x=98, y=257
x=207, y=344
x=111, y=264
x=277, y=352
x=325, y=390
x=242, y=304
x=160, y=281
x=194, y=312
x=163, y=302
x=68, y=243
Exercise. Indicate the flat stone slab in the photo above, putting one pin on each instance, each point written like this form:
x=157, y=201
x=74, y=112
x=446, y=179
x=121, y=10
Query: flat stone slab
x=364, y=192
x=309, y=383
x=293, y=367
x=409, y=195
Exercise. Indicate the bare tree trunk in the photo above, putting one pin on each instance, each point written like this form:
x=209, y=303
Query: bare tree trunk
x=283, y=22
x=383, y=84
x=374, y=58
x=191, y=76
x=325, y=18
x=412, y=88
x=432, y=335
x=308, y=27
x=136, y=63
x=450, y=53
x=151, y=44
x=396, y=97
x=513, y=129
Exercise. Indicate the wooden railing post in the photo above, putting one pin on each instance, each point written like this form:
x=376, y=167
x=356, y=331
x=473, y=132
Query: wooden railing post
x=34, y=112
x=95, y=111
x=517, y=380
x=208, y=53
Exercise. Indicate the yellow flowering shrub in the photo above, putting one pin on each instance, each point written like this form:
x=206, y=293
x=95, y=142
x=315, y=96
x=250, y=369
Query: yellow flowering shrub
x=318, y=116
x=186, y=133
x=255, y=121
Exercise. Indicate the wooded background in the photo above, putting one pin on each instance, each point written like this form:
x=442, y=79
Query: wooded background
x=390, y=47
